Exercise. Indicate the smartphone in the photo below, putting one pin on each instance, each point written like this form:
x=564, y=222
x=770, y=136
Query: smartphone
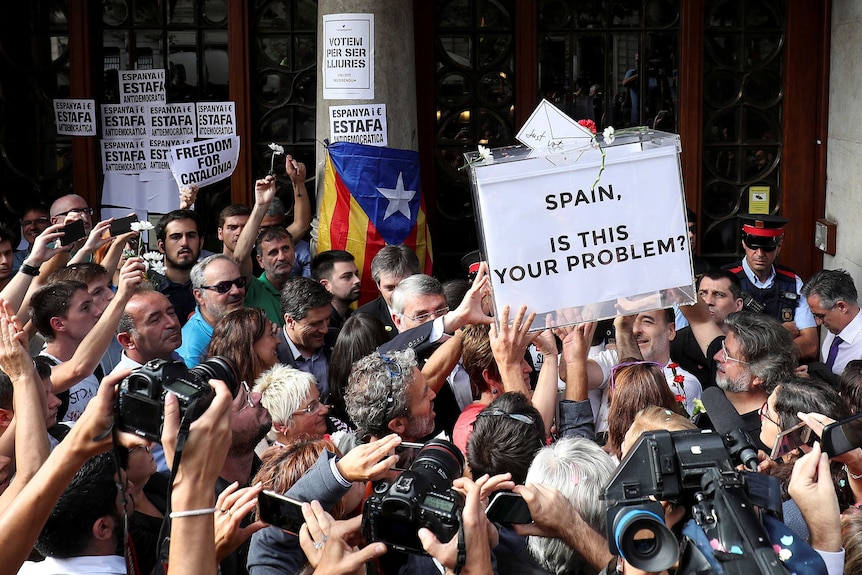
x=842, y=436
x=122, y=225
x=73, y=232
x=280, y=511
x=795, y=437
x=507, y=507
x=406, y=452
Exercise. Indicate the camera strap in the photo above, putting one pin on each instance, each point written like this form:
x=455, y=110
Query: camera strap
x=462, y=551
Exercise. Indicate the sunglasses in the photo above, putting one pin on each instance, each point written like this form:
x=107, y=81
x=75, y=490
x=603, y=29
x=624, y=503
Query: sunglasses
x=224, y=287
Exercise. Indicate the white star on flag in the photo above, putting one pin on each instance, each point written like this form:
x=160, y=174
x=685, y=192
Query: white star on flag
x=399, y=198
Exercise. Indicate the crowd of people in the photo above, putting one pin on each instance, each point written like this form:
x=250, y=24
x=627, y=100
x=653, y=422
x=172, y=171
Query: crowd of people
x=312, y=398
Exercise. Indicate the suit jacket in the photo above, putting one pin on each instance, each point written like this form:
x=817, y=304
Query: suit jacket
x=380, y=310
x=416, y=338
x=283, y=351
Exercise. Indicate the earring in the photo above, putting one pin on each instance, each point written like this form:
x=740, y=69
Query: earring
x=494, y=391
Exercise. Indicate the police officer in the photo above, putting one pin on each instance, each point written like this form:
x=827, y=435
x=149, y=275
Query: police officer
x=772, y=288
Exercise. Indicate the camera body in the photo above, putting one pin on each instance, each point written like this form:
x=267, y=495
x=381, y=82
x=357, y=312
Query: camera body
x=140, y=407
x=421, y=496
x=695, y=469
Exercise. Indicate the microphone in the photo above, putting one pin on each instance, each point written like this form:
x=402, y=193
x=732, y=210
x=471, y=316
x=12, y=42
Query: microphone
x=727, y=422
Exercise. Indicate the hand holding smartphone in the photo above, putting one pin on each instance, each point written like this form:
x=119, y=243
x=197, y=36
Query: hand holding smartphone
x=72, y=232
x=507, y=507
x=122, y=225
x=842, y=436
x=280, y=511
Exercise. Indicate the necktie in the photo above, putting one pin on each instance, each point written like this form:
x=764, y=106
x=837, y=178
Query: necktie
x=833, y=352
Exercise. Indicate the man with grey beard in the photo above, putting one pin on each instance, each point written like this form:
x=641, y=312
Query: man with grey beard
x=386, y=393
x=756, y=355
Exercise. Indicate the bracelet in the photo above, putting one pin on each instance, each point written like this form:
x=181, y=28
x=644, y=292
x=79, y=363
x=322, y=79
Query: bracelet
x=192, y=513
x=29, y=270
x=850, y=473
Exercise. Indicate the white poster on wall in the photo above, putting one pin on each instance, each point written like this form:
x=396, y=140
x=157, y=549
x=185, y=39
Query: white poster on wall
x=126, y=156
x=142, y=86
x=358, y=124
x=216, y=119
x=75, y=117
x=348, y=57
x=124, y=121
x=172, y=120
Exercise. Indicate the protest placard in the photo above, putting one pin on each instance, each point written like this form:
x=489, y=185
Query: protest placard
x=216, y=119
x=75, y=117
x=142, y=86
x=358, y=124
x=204, y=163
x=573, y=249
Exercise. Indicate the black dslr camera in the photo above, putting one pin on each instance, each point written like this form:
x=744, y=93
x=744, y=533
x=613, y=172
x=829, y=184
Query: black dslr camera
x=140, y=405
x=422, y=496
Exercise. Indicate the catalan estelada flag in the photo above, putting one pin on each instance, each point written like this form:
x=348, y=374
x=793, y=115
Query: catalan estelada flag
x=371, y=198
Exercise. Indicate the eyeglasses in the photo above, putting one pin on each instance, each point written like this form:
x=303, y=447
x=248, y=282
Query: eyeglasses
x=619, y=366
x=144, y=447
x=728, y=356
x=249, y=402
x=224, y=287
x=822, y=316
x=40, y=221
x=764, y=414
x=423, y=317
x=314, y=406
x=87, y=211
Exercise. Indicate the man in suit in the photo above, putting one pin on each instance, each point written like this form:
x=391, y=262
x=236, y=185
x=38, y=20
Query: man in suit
x=428, y=326
x=305, y=304
x=391, y=265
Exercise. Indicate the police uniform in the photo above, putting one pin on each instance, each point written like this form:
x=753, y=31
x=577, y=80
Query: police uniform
x=779, y=296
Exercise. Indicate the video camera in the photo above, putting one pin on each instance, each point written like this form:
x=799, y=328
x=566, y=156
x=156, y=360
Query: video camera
x=140, y=407
x=421, y=496
x=693, y=468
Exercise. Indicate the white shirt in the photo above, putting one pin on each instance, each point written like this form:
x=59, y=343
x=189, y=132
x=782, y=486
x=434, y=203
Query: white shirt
x=80, y=394
x=87, y=565
x=850, y=349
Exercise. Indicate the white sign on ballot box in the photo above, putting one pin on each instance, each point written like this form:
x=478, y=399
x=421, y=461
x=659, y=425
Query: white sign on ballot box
x=575, y=249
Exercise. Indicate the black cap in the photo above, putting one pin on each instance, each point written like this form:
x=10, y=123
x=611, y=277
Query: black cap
x=762, y=230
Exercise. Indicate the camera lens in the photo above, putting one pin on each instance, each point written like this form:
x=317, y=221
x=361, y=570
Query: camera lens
x=644, y=541
x=444, y=458
x=217, y=367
